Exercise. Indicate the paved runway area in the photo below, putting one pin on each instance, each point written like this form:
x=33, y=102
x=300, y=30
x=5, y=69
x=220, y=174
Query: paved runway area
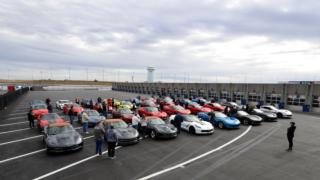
x=256, y=152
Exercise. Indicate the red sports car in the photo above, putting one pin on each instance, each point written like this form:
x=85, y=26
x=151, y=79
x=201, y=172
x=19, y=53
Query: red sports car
x=175, y=109
x=47, y=119
x=167, y=101
x=195, y=108
x=214, y=106
x=38, y=110
x=152, y=111
x=76, y=108
x=123, y=113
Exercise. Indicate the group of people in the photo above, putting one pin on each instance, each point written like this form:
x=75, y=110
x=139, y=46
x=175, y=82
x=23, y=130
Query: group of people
x=108, y=135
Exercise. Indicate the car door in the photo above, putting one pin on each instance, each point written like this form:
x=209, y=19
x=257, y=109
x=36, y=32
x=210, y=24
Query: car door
x=185, y=124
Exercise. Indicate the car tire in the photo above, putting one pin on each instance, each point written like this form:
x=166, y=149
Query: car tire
x=221, y=125
x=279, y=115
x=192, y=130
x=153, y=134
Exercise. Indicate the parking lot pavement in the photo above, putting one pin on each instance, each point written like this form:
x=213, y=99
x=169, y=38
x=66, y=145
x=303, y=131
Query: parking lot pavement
x=258, y=154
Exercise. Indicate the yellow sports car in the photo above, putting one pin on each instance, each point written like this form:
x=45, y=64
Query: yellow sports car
x=126, y=104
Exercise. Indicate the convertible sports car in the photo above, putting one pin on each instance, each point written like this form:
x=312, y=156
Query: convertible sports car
x=126, y=134
x=175, y=109
x=124, y=114
x=266, y=116
x=194, y=125
x=247, y=119
x=152, y=111
x=93, y=115
x=38, y=110
x=157, y=128
x=47, y=119
x=223, y=121
x=76, y=108
x=214, y=107
x=195, y=108
x=281, y=113
x=148, y=104
x=60, y=104
x=62, y=137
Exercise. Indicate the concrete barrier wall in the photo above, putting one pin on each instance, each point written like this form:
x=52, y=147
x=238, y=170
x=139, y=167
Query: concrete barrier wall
x=268, y=93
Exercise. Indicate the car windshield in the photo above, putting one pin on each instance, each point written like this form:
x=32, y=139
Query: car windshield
x=216, y=104
x=271, y=107
x=220, y=115
x=243, y=113
x=92, y=113
x=126, y=103
x=192, y=118
x=149, y=103
x=125, y=111
x=151, y=109
x=168, y=100
x=197, y=106
x=50, y=116
x=64, y=101
x=59, y=129
x=178, y=108
x=258, y=111
x=156, y=121
x=119, y=124
x=76, y=105
x=40, y=106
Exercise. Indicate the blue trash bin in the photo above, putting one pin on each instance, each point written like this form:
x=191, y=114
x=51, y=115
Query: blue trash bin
x=306, y=108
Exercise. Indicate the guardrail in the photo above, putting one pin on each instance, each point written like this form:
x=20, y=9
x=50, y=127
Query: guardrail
x=9, y=97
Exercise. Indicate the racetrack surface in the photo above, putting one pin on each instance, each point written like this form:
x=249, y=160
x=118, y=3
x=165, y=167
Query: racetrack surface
x=258, y=154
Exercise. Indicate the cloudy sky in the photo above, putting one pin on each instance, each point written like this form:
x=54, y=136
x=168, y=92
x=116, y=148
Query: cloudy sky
x=186, y=40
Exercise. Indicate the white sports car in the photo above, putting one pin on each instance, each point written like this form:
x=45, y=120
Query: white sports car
x=194, y=125
x=61, y=103
x=281, y=113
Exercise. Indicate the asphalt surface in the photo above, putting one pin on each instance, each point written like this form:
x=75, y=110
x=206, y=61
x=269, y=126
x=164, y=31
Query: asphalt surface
x=258, y=154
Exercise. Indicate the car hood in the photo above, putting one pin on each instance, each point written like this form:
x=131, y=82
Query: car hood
x=127, y=116
x=269, y=114
x=285, y=111
x=95, y=118
x=126, y=133
x=204, y=125
x=165, y=128
x=254, y=117
x=64, y=140
x=231, y=120
x=186, y=111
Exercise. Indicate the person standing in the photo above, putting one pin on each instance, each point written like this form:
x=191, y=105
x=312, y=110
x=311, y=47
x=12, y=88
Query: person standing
x=85, y=121
x=104, y=109
x=77, y=100
x=98, y=135
x=135, y=121
x=112, y=140
x=290, y=135
x=70, y=113
x=177, y=122
x=31, y=119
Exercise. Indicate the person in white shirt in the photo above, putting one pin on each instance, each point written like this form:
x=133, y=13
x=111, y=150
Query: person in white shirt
x=135, y=121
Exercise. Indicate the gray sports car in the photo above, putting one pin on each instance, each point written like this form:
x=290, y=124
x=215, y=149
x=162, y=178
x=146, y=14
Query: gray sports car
x=157, y=128
x=61, y=137
x=126, y=134
x=93, y=115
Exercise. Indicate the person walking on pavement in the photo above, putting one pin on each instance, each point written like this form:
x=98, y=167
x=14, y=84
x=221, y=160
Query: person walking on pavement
x=143, y=127
x=290, y=135
x=49, y=107
x=99, y=135
x=112, y=140
x=31, y=119
x=70, y=113
x=85, y=121
x=177, y=122
x=135, y=121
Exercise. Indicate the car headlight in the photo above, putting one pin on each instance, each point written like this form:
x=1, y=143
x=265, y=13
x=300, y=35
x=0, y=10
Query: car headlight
x=238, y=122
x=79, y=140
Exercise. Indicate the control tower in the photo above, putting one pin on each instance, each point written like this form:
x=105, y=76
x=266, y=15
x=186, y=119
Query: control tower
x=151, y=73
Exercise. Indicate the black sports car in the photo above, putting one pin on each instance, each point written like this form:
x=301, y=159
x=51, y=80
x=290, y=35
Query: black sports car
x=126, y=134
x=61, y=137
x=93, y=115
x=266, y=116
x=157, y=128
x=247, y=119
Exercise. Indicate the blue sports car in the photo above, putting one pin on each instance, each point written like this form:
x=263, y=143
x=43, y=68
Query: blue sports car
x=223, y=121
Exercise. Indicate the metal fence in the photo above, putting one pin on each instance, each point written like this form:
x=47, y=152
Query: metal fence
x=9, y=97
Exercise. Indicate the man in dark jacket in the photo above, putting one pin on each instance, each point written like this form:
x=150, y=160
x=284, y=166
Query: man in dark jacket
x=98, y=135
x=177, y=122
x=70, y=113
x=31, y=119
x=49, y=107
x=112, y=140
x=290, y=135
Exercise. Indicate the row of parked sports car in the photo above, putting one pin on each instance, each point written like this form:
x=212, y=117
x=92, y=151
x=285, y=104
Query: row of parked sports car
x=199, y=117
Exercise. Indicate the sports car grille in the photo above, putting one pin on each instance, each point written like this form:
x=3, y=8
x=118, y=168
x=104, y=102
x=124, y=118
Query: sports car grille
x=210, y=130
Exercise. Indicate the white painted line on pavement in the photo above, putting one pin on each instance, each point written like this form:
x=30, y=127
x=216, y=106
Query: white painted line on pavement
x=19, y=140
x=70, y=165
x=22, y=117
x=6, y=132
x=9, y=124
x=183, y=164
x=30, y=153
x=18, y=113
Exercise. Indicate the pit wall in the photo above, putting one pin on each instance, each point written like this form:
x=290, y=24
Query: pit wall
x=297, y=97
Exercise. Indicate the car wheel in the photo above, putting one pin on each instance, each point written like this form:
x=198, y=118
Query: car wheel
x=192, y=130
x=246, y=122
x=220, y=125
x=279, y=115
x=153, y=134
